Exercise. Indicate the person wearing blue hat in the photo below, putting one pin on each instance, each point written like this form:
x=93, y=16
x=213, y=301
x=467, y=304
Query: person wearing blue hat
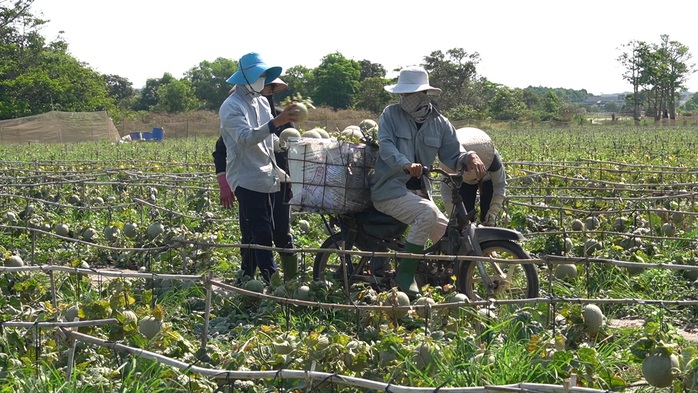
x=248, y=128
x=282, y=211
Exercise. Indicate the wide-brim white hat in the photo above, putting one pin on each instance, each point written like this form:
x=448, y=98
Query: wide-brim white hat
x=412, y=79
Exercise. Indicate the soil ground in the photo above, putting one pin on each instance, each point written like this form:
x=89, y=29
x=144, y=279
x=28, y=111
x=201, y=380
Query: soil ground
x=689, y=333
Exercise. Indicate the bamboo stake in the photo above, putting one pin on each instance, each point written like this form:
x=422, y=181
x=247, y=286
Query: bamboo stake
x=207, y=313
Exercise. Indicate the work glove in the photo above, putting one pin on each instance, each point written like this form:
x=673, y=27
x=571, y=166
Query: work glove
x=493, y=211
x=490, y=219
x=227, y=196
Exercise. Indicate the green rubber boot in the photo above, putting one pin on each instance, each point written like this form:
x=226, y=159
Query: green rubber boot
x=406, y=269
x=289, y=265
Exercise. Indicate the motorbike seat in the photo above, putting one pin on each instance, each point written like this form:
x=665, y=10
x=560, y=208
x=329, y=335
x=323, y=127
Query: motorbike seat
x=379, y=224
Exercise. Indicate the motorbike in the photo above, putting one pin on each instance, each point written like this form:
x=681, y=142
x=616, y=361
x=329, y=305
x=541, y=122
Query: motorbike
x=371, y=232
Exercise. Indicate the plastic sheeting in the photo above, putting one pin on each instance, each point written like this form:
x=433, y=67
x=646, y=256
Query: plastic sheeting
x=59, y=127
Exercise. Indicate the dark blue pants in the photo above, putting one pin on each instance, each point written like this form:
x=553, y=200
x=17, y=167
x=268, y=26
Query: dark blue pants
x=469, y=191
x=263, y=218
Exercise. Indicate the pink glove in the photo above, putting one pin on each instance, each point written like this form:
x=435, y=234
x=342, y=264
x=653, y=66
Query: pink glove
x=227, y=196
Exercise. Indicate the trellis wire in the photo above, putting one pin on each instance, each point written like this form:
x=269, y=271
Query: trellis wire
x=321, y=376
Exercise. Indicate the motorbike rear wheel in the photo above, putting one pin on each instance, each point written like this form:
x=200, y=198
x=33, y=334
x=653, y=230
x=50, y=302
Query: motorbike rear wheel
x=329, y=266
x=518, y=281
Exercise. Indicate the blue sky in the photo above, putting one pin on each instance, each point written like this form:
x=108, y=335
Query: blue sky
x=521, y=43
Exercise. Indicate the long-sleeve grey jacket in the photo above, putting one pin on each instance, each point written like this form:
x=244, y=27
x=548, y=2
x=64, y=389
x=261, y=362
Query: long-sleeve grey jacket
x=248, y=135
x=402, y=143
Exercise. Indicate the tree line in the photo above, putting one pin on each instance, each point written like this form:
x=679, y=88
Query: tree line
x=37, y=76
x=657, y=73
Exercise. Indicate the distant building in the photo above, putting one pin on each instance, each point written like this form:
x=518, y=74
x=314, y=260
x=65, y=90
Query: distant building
x=602, y=100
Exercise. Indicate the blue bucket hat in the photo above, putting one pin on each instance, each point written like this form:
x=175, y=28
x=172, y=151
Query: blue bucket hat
x=250, y=68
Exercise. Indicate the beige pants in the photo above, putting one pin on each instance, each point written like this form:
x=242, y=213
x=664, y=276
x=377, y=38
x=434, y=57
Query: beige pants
x=425, y=219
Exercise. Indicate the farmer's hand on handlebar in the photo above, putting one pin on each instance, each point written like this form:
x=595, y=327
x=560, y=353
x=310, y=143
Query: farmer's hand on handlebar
x=413, y=169
x=472, y=162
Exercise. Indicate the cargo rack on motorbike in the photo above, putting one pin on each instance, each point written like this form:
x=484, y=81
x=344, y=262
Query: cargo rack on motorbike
x=329, y=176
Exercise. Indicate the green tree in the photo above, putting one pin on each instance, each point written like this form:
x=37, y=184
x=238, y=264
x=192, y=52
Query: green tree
x=36, y=77
x=121, y=90
x=507, y=104
x=691, y=105
x=676, y=56
x=551, y=106
x=149, y=94
x=300, y=80
x=455, y=73
x=372, y=96
x=176, y=96
x=208, y=80
x=371, y=70
x=660, y=69
x=633, y=60
x=531, y=98
x=53, y=80
x=337, y=81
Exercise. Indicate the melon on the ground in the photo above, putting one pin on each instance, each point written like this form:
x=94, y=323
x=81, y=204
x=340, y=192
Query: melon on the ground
x=131, y=230
x=154, y=230
x=150, y=327
x=422, y=312
x=302, y=293
x=568, y=244
x=566, y=271
x=254, y=286
x=399, y=298
x=304, y=225
x=458, y=298
x=423, y=355
x=71, y=313
x=14, y=261
x=111, y=232
x=592, y=223
x=657, y=367
x=10, y=218
x=668, y=229
x=61, y=229
x=74, y=199
x=89, y=234
x=593, y=317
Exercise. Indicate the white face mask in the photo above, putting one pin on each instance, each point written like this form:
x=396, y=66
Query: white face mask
x=257, y=85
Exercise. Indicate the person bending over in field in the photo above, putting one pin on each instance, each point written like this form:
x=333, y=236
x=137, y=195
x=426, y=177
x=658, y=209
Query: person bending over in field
x=492, y=186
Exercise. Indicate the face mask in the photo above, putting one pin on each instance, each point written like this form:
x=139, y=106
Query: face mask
x=411, y=103
x=417, y=105
x=257, y=85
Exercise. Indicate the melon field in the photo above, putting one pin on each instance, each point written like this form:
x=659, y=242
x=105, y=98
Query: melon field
x=121, y=274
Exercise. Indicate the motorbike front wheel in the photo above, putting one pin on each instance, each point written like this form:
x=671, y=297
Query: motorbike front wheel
x=508, y=280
